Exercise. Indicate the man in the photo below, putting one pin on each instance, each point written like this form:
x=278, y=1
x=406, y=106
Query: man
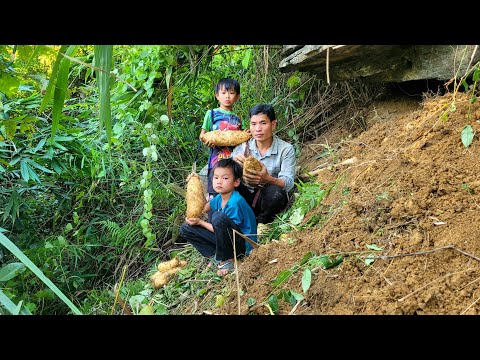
x=266, y=191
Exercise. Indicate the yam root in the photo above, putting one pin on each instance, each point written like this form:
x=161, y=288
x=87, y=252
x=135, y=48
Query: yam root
x=195, y=197
x=165, y=272
x=251, y=163
x=170, y=264
x=225, y=137
x=167, y=265
x=159, y=279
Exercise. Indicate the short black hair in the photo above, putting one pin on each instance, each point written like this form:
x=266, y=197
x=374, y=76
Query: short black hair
x=232, y=164
x=229, y=84
x=266, y=109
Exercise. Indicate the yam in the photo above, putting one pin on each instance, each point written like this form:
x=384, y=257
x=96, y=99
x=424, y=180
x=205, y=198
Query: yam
x=170, y=264
x=165, y=271
x=159, y=279
x=172, y=271
x=195, y=197
x=251, y=163
x=167, y=265
x=225, y=137
x=182, y=263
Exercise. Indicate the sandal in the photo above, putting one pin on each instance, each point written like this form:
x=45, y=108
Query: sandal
x=225, y=268
x=213, y=262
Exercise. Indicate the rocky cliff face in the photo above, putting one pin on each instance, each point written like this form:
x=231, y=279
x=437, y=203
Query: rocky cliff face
x=380, y=63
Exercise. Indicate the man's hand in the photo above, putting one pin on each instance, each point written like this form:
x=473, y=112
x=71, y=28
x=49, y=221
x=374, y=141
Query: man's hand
x=254, y=178
x=239, y=158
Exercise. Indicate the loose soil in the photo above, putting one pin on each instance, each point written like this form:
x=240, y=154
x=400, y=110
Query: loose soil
x=412, y=189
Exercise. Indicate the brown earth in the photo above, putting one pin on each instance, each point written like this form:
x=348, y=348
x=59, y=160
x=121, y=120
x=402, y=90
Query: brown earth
x=413, y=190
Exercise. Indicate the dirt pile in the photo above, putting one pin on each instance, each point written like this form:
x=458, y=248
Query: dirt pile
x=410, y=197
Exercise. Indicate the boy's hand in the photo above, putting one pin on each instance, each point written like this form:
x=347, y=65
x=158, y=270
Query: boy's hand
x=208, y=143
x=193, y=221
x=190, y=175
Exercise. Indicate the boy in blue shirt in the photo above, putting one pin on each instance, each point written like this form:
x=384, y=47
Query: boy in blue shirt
x=229, y=210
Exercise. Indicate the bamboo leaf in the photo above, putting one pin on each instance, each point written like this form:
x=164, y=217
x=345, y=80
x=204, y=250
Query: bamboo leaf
x=24, y=170
x=476, y=74
x=61, y=86
x=284, y=275
x=8, y=84
x=103, y=60
x=28, y=263
x=33, y=175
x=11, y=270
x=40, y=145
x=306, y=258
x=53, y=76
x=11, y=307
x=247, y=58
x=58, y=146
x=38, y=166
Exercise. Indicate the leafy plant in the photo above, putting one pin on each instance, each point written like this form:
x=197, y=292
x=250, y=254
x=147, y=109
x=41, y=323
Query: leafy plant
x=370, y=258
x=467, y=136
x=29, y=264
x=310, y=195
x=308, y=262
x=150, y=152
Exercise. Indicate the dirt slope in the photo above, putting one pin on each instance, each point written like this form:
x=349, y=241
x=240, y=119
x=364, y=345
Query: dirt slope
x=413, y=190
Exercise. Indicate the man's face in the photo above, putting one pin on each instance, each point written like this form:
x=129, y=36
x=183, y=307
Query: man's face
x=261, y=127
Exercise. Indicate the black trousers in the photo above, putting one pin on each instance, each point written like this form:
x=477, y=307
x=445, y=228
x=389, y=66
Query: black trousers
x=219, y=242
x=271, y=200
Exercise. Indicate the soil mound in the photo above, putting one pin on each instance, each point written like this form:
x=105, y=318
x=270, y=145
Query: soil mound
x=404, y=214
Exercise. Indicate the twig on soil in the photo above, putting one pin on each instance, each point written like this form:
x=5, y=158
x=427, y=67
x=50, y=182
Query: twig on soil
x=254, y=308
x=294, y=308
x=324, y=167
x=118, y=299
x=431, y=282
x=470, y=283
x=269, y=309
x=469, y=306
x=426, y=252
x=235, y=232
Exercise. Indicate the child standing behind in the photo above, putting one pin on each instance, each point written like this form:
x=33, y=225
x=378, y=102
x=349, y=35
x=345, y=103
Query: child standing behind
x=227, y=92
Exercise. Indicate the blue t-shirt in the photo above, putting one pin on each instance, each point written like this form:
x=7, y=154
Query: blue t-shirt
x=241, y=214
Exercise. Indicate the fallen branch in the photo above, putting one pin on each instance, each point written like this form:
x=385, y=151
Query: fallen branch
x=246, y=238
x=235, y=232
x=294, y=308
x=382, y=257
x=468, y=307
x=350, y=161
x=119, y=301
x=431, y=282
